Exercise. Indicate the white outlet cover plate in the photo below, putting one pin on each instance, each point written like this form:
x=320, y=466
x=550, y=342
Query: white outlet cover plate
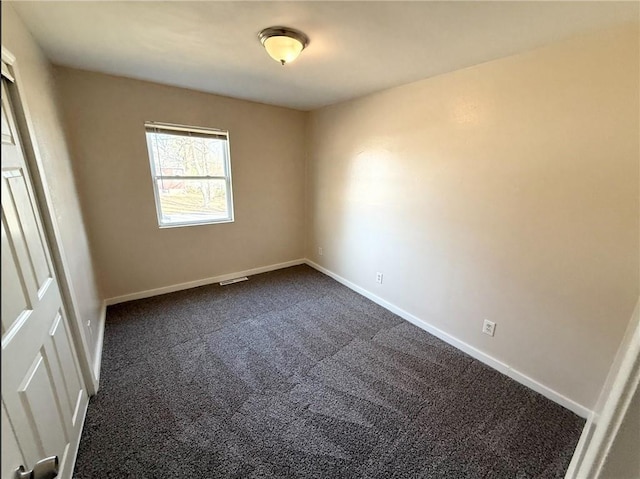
x=489, y=327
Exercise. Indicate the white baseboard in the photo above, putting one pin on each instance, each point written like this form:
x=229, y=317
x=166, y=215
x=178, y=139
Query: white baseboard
x=97, y=360
x=580, y=451
x=200, y=282
x=522, y=378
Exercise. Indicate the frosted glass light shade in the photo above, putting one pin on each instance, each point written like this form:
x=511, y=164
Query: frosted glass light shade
x=283, y=44
x=283, y=49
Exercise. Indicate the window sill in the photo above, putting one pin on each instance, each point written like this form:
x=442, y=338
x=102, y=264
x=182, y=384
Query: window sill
x=204, y=223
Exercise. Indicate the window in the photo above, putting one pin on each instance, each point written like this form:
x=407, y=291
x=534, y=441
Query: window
x=191, y=173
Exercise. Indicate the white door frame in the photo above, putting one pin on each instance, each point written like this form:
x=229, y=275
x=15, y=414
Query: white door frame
x=604, y=422
x=34, y=162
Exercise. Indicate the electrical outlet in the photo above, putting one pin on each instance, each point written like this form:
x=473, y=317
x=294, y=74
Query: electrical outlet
x=489, y=327
x=320, y=251
x=379, y=278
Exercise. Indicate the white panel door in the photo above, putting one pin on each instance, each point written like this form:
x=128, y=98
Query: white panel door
x=44, y=399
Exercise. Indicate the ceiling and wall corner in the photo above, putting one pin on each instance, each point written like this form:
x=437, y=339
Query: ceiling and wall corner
x=356, y=48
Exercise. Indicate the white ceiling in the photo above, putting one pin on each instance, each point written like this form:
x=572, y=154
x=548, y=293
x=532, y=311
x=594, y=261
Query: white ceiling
x=356, y=47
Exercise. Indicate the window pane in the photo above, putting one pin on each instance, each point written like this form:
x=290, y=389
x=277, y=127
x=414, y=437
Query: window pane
x=177, y=155
x=192, y=174
x=192, y=201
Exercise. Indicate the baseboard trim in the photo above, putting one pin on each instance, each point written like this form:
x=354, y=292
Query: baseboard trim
x=496, y=364
x=200, y=282
x=581, y=448
x=97, y=360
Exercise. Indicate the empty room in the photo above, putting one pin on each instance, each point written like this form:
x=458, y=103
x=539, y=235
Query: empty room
x=320, y=239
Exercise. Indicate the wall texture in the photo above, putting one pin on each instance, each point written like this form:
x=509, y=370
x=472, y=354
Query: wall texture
x=39, y=97
x=105, y=118
x=506, y=191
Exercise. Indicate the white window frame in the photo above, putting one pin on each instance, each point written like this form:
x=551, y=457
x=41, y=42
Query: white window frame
x=185, y=130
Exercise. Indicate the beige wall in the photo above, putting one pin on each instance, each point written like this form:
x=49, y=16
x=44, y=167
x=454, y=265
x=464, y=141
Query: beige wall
x=39, y=97
x=506, y=191
x=105, y=118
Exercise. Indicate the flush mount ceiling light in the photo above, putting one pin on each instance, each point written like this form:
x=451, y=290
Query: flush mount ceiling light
x=283, y=44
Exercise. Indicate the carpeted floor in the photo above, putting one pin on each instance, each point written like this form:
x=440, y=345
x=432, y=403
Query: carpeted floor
x=291, y=374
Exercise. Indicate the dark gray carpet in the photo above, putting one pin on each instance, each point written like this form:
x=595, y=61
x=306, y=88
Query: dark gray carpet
x=291, y=374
